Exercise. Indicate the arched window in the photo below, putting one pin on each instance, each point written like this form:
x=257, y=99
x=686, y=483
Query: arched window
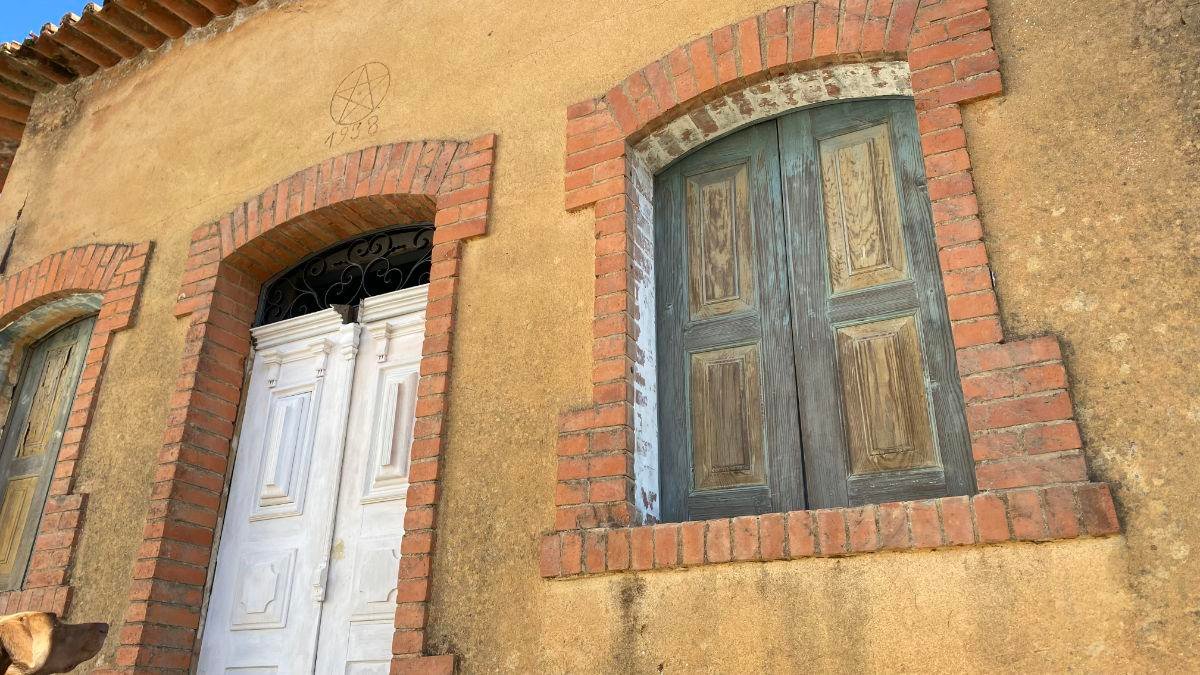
x=805, y=358
x=344, y=274
x=33, y=435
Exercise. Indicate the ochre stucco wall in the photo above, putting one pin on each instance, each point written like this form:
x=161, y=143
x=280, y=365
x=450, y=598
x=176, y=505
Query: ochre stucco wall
x=1086, y=173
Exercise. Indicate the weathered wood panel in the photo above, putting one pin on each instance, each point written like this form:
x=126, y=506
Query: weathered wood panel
x=727, y=418
x=720, y=244
x=887, y=415
x=18, y=498
x=37, y=420
x=861, y=209
x=47, y=401
x=728, y=411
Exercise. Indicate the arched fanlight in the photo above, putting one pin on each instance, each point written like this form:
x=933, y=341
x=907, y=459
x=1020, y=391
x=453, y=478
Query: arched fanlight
x=345, y=273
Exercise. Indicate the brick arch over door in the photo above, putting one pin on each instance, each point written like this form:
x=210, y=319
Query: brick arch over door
x=101, y=279
x=448, y=182
x=1029, y=462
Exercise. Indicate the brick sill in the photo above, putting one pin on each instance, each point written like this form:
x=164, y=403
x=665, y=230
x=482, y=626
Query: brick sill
x=52, y=598
x=444, y=664
x=1042, y=513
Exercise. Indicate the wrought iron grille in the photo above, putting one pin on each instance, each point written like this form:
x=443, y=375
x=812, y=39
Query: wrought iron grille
x=346, y=273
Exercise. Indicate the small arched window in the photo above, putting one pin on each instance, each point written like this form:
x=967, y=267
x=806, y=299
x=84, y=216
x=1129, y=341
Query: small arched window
x=33, y=435
x=804, y=349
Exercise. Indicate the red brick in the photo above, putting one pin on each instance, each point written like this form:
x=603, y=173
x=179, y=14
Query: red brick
x=893, y=526
x=1097, y=512
x=802, y=539
x=904, y=13
x=571, y=560
x=1008, y=355
x=1025, y=514
x=948, y=9
x=956, y=521
x=774, y=28
x=976, y=64
x=961, y=91
x=825, y=28
x=1062, y=521
x=617, y=555
x=802, y=32
x=971, y=254
x=831, y=531
x=1044, y=407
x=692, y=538
x=641, y=545
x=925, y=525
x=745, y=538
x=1032, y=440
x=594, y=551
x=717, y=543
x=972, y=305
x=1017, y=472
x=946, y=163
x=975, y=332
x=771, y=536
x=864, y=534
x=990, y=520
x=923, y=57
x=666, y=545
x=955, y=208
x=933, y=77
x=703, y=66
x=949, y=234
x=1024, y=380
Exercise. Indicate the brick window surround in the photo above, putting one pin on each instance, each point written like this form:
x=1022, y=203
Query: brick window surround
x=447, y=182
x=96, y=279
x=1029, y=462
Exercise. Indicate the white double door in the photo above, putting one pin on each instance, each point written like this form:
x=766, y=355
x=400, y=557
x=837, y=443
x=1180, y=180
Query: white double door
x=309, y=553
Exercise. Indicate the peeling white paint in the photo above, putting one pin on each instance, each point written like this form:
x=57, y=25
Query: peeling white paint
x=645, y=368
x=776, y=96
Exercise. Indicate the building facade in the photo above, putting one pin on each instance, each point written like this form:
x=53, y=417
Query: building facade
x=837, y=335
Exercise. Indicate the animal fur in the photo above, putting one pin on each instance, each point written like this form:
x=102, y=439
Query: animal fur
x=37, y=643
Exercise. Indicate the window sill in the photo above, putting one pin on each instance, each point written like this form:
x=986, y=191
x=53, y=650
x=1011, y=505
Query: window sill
x=1043, y=513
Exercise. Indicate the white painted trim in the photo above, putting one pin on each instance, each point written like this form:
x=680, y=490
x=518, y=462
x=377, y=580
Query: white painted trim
x=396, y=303
x=300, y=327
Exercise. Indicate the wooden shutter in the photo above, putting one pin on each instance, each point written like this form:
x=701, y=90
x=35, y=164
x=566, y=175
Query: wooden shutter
x=881, y=403
x=730, y=440
x=32, y=437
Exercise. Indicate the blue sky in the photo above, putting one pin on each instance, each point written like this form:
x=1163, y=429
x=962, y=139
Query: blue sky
x=20, y=17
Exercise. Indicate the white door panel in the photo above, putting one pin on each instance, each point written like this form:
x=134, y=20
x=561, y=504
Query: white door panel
x=278, y=520
x=357, y=623
x=308, y=558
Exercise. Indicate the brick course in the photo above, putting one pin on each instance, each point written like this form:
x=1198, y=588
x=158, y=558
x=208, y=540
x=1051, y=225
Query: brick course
x=1030, y=514
x=447, y=182
x=1024, y=438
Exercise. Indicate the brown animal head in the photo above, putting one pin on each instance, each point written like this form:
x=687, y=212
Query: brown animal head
x=36, y=643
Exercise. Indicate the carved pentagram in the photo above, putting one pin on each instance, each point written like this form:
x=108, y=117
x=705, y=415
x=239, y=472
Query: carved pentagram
x=360, y=93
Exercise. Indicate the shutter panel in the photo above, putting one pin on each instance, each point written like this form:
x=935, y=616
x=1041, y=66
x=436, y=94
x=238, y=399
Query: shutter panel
x=728, y=407
x=37, y=420
x=872, y=325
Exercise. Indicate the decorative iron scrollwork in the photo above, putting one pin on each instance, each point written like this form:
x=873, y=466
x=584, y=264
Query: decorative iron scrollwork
x=346, y=273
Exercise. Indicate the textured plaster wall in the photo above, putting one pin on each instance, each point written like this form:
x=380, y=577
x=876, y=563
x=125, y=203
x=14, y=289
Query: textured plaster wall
x=1086, y=170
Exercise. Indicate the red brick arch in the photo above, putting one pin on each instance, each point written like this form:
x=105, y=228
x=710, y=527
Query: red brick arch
x=114, y=273
x=1029, y=462
x=448, y=182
